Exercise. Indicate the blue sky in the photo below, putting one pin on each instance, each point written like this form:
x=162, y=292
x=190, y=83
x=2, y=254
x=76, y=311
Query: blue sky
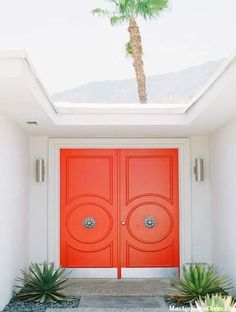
x=69, y=46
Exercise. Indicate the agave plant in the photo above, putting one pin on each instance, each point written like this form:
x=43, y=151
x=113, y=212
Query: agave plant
x=215, y=303
x=199, y=280
x=42, y=284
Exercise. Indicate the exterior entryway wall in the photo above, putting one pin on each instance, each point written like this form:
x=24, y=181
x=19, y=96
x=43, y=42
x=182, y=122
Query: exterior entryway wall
x=14, y=190
x=119, y=208
x=223, y=201
x=41, y=238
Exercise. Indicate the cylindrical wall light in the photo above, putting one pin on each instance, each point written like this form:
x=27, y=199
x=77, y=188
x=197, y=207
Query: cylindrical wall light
x=198, y=170
x=40, y=172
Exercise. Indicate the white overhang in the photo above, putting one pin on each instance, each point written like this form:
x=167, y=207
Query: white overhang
x=24, y=98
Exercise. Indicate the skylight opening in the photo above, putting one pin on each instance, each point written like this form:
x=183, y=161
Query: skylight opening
x=167, y=93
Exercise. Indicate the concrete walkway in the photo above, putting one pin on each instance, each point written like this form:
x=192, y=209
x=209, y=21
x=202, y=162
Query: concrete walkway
x=108, y=295
x=123, y=287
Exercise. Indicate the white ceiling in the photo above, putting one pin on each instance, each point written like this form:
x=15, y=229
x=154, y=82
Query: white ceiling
x=23, y=98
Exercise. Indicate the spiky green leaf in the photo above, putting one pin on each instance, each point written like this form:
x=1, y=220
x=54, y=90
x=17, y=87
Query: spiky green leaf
x=42, y=283
x=198, y=280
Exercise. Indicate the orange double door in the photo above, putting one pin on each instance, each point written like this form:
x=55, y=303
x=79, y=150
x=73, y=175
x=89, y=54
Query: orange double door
x=119, y=208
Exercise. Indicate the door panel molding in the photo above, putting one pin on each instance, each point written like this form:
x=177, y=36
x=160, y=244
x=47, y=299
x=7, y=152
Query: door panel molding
x=88, y=212
x=183, y=147
x=144, y=173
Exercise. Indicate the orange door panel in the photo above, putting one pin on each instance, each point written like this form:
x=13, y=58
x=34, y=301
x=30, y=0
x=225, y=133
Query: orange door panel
x=88, y=208
x=149, y=208
x=119, y=208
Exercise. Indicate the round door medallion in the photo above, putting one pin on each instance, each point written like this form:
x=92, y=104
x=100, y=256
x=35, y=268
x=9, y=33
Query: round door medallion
x=150, y=222
x=89, y=223
x=83, y=223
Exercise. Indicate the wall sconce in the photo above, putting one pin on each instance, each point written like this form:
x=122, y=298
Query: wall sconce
x=198, y=170
x=40, y=172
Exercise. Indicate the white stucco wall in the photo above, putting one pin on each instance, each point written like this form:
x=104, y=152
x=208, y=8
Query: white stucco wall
x=223, y=200
x=38, y=202
x=14, y=182
x=201, y=227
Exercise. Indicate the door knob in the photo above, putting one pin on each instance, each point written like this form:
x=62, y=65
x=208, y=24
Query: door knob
x=122, y=222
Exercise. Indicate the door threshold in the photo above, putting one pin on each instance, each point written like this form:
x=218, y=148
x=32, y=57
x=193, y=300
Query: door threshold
x=92, y=272
x=149, y=272
x=126, y=273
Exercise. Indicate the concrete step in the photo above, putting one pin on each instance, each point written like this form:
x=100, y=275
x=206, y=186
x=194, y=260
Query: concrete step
x=119, y=303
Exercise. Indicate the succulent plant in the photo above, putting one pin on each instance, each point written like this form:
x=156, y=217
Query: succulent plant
x=215, y=303
x=42, y=284
x=199, y=280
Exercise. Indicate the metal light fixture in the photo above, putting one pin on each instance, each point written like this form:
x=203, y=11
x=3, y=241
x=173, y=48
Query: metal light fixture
x=198, y=170
x=40, y=172
x=32, y=123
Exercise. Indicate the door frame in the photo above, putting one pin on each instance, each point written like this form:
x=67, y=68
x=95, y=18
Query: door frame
x=185, y=209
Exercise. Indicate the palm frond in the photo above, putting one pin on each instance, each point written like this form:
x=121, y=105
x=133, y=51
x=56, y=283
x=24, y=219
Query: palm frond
x=101, y=12
x=128, y=49
x=123, y=10
x=150, y=8
x=117, y=19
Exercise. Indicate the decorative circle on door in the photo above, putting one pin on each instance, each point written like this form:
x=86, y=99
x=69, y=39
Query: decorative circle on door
x=142, y=222
x=89, y=223
x=150, y=222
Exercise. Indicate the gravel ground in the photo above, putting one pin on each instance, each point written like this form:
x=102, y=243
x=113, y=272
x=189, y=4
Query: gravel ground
x=16, y=305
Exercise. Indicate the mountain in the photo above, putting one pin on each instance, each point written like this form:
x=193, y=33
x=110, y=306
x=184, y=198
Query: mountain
x=176, y=87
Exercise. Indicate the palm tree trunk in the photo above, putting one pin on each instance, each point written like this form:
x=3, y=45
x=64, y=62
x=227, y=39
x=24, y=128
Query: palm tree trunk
x=137, y=52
